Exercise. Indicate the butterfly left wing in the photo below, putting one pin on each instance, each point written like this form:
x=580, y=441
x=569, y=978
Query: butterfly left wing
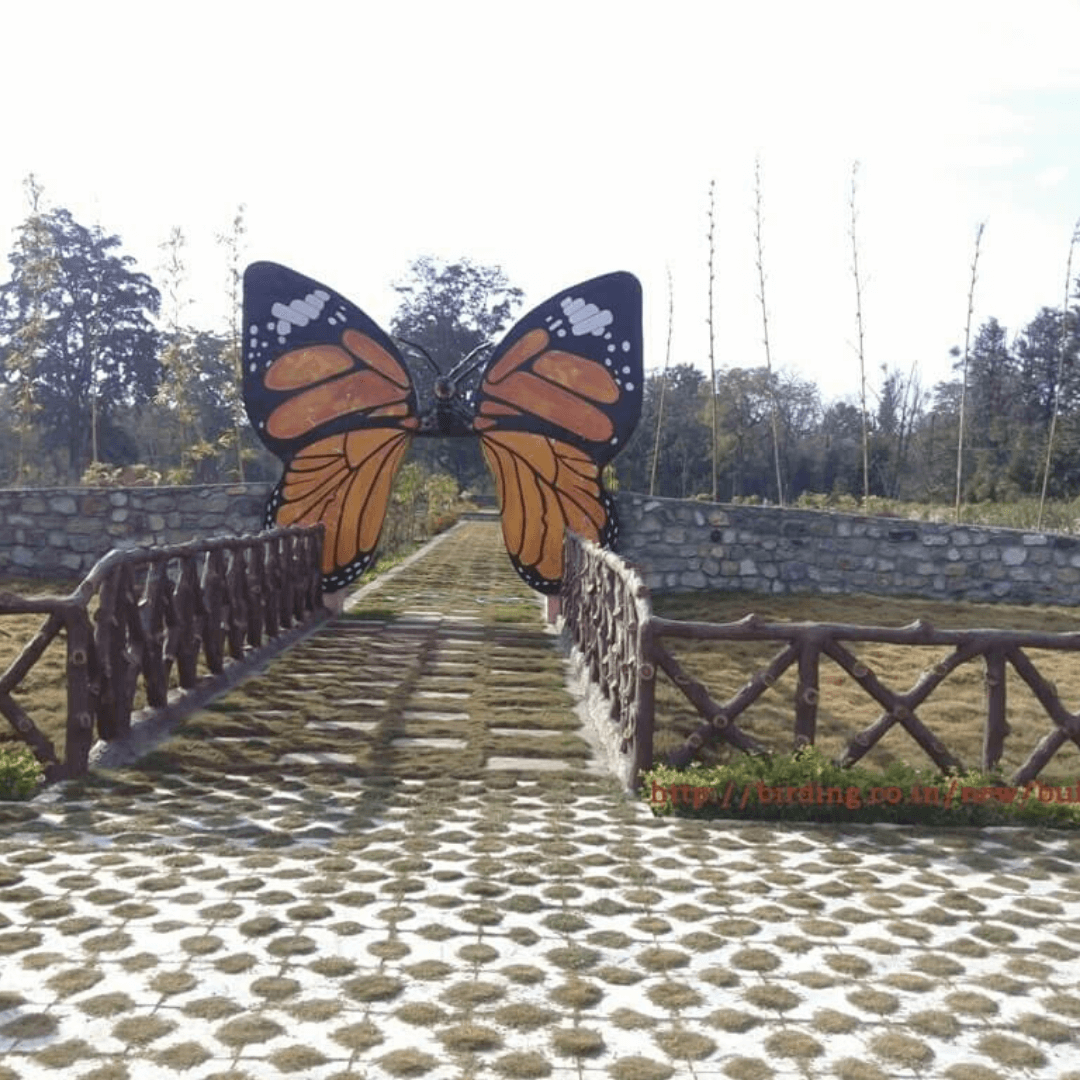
x=328, y=392
x=557, y=401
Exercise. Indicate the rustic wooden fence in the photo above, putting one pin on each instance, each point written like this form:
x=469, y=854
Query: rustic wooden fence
x=147, y=615
x=609, y=618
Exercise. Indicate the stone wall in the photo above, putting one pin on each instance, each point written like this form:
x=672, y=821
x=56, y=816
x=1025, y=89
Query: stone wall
x=62, y=532
x=677, y=545
x=681, y=546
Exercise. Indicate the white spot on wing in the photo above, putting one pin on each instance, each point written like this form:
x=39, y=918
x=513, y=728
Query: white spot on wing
x=297, y=312
x=586, y=318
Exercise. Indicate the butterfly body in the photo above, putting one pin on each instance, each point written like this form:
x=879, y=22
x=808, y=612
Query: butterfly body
x=329, y=392
x=449, y=414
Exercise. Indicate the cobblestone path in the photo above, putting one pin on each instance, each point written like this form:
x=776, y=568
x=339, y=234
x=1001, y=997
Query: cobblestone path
x=391, y=856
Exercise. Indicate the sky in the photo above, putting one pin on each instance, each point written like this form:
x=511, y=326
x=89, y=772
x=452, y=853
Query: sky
x=564, y=140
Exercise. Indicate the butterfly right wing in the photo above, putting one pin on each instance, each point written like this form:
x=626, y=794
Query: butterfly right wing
x=328, y=392
x=558, y=399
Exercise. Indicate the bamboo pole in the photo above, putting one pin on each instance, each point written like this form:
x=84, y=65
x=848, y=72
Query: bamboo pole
x=663, y=383
x=963, y=383
x=861, y=340
x=712, y=336
x=765, y=327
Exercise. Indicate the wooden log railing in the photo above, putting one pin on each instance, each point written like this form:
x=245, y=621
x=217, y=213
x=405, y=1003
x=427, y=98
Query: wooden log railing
x=142, y=615
x=608, y=616
x=596, y=599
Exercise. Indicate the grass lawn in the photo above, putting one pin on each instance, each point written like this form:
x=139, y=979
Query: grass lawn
x=43, y=692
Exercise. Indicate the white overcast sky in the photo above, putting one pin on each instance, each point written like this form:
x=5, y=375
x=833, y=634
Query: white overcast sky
x=563, y=140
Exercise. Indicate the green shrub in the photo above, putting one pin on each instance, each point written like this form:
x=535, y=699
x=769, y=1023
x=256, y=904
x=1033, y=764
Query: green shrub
x=20, y=773
x=807, y=786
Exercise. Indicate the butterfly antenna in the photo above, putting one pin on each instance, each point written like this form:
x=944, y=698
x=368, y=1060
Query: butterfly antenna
x=423, y=352
x=457, y=373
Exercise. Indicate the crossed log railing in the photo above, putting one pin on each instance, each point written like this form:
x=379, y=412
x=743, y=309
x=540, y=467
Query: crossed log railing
x=158, y=609
x=610, y=619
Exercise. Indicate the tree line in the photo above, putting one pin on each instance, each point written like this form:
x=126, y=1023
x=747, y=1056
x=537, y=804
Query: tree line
x=100, y=372
x=1012, y=384
x=98, y=369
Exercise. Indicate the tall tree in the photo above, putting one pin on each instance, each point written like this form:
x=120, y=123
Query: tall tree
x=166, y=433
x=27, y=337
x=1047, y=369
x=95, y=344
x=993, y=385
x=796, y=407
x=179, y=372
x=681, y=454
x=745, y=408
x=839, y=449
x=991, y=407
x=899, y=405
x=1049, y=396
x=450, y=309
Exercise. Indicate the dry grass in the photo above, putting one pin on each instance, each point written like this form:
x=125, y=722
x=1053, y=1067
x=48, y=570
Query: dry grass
x=955, y=711
x=43, y=691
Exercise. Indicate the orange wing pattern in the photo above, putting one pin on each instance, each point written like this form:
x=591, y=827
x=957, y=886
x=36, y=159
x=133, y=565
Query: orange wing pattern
x=545, y=486
x=355, y=380
x=345, y=482
x=559, y=398
x=329, y=393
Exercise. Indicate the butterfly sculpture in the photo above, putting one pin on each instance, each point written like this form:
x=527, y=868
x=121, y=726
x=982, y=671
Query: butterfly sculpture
x=331, y=394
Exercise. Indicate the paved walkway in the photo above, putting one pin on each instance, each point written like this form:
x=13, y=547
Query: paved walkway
x=391, y=857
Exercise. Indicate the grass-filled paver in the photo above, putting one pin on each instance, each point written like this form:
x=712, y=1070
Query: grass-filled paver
x=304, y=881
